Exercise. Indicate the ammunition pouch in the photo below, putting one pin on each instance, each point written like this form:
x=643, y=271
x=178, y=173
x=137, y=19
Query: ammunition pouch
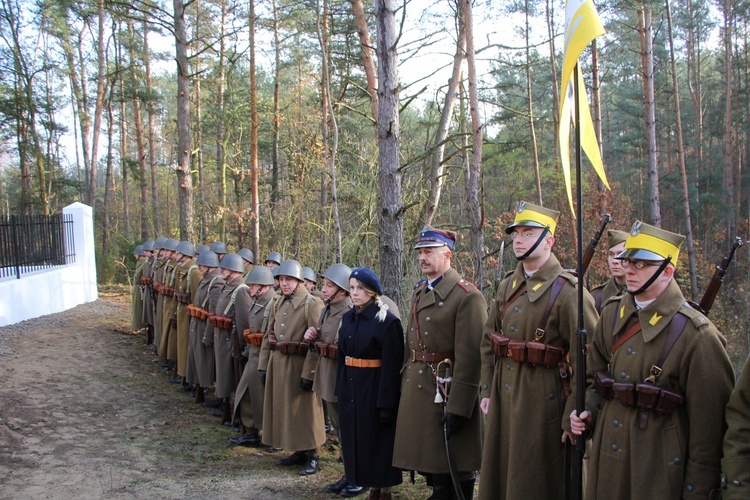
x=251, y=338
x=221, y=321
x=145, y=280
x=291, y=348
x=645, y=396
x=330, y=351
x=182, y=298
x=169, y=292
x=157, y=286
x=532, y=352
x=197, y=312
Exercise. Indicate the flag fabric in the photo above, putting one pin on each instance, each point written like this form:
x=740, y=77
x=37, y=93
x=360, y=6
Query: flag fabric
x=582, y=25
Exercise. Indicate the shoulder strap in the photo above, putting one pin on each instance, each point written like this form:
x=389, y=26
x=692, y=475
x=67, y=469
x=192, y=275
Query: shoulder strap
x=598, y=294
x=171, y=278
x=557, y=287
x=190, y=271
x=676, y=326
x=621, y=339
x=233, y=297
x=208, y=291
x=521, y=291
x=266, y=314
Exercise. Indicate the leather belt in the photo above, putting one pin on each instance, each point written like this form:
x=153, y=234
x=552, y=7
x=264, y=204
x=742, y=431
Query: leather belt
x=363, y=363
x=431, y=357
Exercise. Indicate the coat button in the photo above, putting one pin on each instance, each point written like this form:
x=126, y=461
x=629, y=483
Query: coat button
x=630, y=350
x=426, y=333
x=507, y=386
x=484, y=387
x=419, y=386
x=515, y=309
x=689, y=488
x=512, y=328
x=736, y=483
x=281, y=336
x=551, y=395
x=440, y=304
x=615, y=447
x=508, y=367
x=283, y=325
x=677, y=461
x=623, y=375
x=421, y=371
x=616, y=423
x=427, y=318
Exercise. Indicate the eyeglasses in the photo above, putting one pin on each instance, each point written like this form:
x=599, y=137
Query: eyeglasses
x=522, y=236
x=638, y=263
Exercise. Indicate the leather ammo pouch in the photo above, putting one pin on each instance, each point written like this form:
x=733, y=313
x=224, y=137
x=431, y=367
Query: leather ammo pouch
x=517, y=350
x=169, y=292
x=255, y=339
x=292, y=348
x=624, y=391
x=146, y=280
x=499, y=344
x=182, y=298
x=603, y=381
x=668, y=401
x=539, y=353
x=330, y=351
x=221, y=322
x=191, y=311
x=648, y=396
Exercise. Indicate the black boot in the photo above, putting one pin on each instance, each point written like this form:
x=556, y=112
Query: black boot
x=467, y=488
x=150, y=336
x=200, y=395
x=336, y=487
x=442, y=487
x=226, y=412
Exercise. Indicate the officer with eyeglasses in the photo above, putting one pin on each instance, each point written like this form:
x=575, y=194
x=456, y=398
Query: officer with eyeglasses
x=525, y=372
x=659, y=382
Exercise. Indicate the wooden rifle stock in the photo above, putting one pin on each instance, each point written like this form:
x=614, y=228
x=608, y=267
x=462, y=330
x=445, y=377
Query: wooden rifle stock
x=591, y=249
x=712, y=290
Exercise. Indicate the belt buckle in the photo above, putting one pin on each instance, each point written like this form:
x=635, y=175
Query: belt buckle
x=413, y=356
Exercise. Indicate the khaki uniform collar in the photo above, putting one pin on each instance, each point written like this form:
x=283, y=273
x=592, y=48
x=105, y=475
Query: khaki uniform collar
x=541, y=280
x=299, y=296
x=441, y=290
x=342, y=305
x=653, y=318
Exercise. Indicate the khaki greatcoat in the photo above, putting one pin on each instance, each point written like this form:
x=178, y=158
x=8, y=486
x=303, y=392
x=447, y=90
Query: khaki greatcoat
x=677, y=455
x=148, y=300
x=604, y=292
x=292, y=418
x=523, y=452
x=187, y=280
x=735, y=466
x=159, y=267
x=168, y=343
x=136, y=319
x=325, y=373
x=201, y=359
x=253, y=314
x=223, y=337
x=449, y=318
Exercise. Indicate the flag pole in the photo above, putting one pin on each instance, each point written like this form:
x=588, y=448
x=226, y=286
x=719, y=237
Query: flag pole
x=580, y=368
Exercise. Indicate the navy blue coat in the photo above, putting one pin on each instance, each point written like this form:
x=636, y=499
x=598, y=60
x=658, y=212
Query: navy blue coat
x=363, y=392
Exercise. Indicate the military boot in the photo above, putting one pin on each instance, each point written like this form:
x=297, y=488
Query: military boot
x=200, y=395
x=442, y=487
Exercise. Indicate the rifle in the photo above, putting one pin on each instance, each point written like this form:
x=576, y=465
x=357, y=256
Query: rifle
x=712, y=290
x=591, y=249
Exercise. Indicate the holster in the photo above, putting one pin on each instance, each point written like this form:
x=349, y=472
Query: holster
x=603, y=381
x=624, y=391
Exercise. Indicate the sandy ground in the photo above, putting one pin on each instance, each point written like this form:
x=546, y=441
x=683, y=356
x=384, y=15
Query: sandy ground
x=86, y=412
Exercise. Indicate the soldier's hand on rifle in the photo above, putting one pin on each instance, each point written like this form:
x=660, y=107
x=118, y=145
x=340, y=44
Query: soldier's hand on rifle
x=305, y=384
x=578, y=426
x=311, y=334
x=484, y=405
x=262, y=377
x=453, y=423
x=387, y=418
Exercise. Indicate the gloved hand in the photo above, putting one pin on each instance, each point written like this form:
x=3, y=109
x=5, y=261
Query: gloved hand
x=387, y=418
x=263, y=377
x=453, y=423
x=208, y=341
x=243, y=356
x=305, y=385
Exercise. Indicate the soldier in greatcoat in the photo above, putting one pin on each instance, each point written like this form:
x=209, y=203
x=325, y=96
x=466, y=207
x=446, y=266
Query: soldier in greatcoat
x=188, y=276
x=311, y=282
x=615, y=285
x=735, y=466
x=201, y=366
x=248, y=257
x=292, y=413
x=160, y=262
x=168, y=344
x=323, y=336
x=147, y=296
x=253, y=314
x=136, y=318
x=224, y=323
x=446, y=318
x=660, y=382
x=528, y=337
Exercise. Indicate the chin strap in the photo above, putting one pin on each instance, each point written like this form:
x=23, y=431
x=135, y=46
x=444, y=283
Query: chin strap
x=538, y=242
x=651, y=280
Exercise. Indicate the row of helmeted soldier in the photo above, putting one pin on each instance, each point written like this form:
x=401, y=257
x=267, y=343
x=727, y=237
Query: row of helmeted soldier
x=463, y=388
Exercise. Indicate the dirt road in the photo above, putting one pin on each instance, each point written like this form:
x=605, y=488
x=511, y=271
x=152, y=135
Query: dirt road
x=86, y=412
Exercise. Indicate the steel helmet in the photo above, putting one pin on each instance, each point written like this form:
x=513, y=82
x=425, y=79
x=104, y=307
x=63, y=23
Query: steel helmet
x=260, y=275
x=274, y=257
x=247, y=254
x=148, y=245
x=186, y=248
x=159, y=242
x=208, y=259
x=233, y=262
x=171, y=244
x=275, y=272
x=201, y=249
x=139, y=250
x=309, y=274
x=218, y=247
x=291, y=268
x=339, y=274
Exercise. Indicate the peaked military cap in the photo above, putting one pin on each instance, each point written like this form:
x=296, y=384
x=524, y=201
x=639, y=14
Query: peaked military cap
x=648, y=242
x=615, y=237
x=431, y=237
x=532, y=215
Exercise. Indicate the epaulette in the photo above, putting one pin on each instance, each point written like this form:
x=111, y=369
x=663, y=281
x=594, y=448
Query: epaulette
x=465, y=285
x=570, y=275
x=420, y=283
x=508, y=274
x=698, y=319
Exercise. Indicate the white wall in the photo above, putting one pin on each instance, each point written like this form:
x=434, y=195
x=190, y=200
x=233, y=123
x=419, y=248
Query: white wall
x=57, y=289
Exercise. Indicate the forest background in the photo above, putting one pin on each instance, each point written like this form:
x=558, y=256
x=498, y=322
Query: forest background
x=333, y=130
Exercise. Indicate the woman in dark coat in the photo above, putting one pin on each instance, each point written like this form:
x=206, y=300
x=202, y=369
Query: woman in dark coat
x=371, y=350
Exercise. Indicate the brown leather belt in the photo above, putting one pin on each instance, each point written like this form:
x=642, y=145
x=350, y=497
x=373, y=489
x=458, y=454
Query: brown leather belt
x=291, y=348
x=363, y=363
x=526, y=351
x=431, y=357
x=329, y=351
